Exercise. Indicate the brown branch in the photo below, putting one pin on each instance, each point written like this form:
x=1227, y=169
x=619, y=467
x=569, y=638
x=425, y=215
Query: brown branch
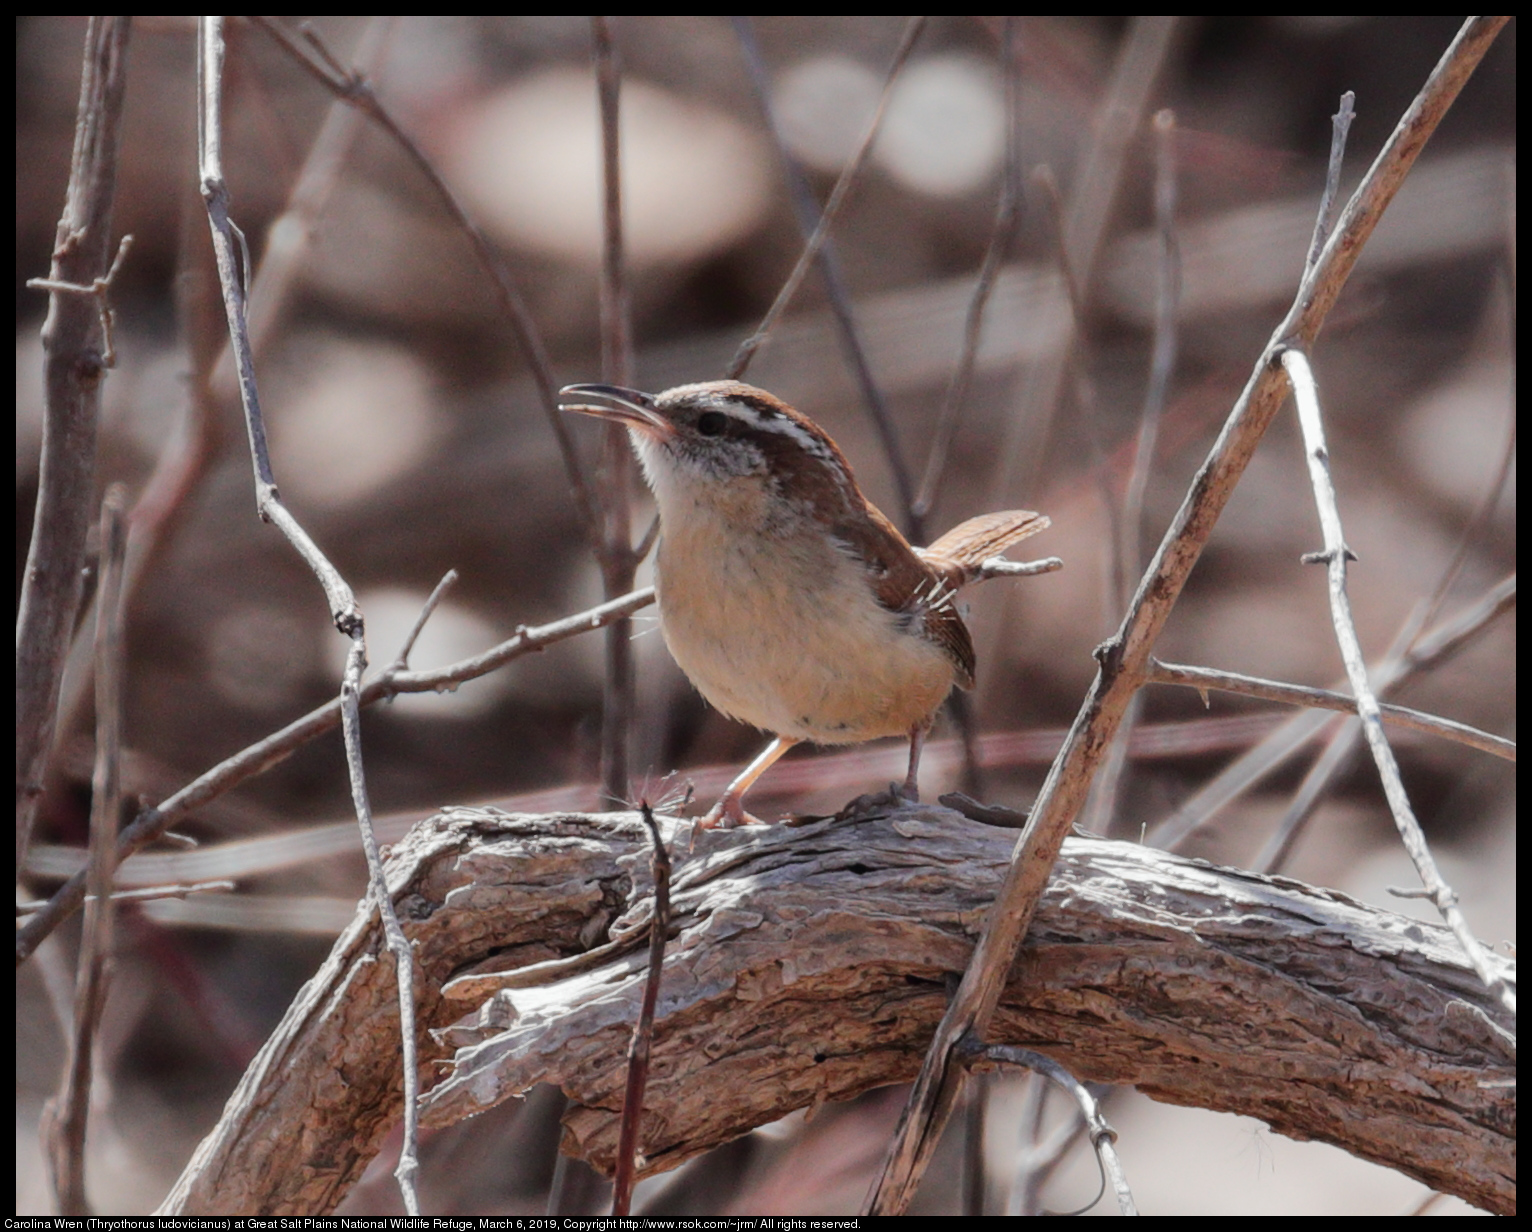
x=1124, y=659
x=643, y=1030
x=65, y=1119
x=73, y=368
x=1128, y=554
x=810, y=963
x=1203, y=678
x=1432, y=649
x=1002, y=234
x=151, y=823
x=614, y=549
x=1082, y=233
x=811, y=249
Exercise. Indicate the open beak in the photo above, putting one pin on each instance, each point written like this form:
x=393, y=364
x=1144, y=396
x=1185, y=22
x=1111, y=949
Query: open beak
x=615, y=404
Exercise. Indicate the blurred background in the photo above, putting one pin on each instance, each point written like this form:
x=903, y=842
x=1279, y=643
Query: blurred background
x=408, y=437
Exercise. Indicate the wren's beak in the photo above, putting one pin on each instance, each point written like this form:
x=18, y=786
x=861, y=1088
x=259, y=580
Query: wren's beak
x=615, y=404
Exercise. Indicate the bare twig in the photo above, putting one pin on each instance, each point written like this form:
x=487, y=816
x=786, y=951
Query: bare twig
x=748, y=348
x=1007, y=217
x=438, y=593
x=614, y=551
x=65, y=1120
x=147, y=894
x=1103, y=802
x=344, y=613
x=99, y=293
x=1092, y=199
x=643, y=1029
x=1102, y=1136
x=1434, y=648
x=1340, y=126
x=1306, y=395
x=343, y=610
x=820, y=251
x=72, y=373
x=1202, y=678
x=1124, y=659
x=406, y=1171
x=261, y=756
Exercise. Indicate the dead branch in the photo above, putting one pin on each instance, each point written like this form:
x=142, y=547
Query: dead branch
x=812, y=963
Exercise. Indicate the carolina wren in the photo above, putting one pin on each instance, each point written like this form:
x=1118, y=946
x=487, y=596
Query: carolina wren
x=785, y=596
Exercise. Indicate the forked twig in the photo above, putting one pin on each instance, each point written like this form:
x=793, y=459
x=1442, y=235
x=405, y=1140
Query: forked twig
x=1102, y=1136
x=1316, y=453
x=72, y=372
x=151, y=823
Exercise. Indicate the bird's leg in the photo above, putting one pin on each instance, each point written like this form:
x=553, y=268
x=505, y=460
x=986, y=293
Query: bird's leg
x=911, y=790
x=730, y=811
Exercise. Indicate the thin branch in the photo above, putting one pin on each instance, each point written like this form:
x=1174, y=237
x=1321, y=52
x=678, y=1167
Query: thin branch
x=73, y=368
x=99, y=293
x=748, y=348
x=394, y=939
x=643, y=1030
x=1202, y=678
x=342, y=603
x=1092, y=199
x=1102, y=1136
x=438, y=593
x=1306, y=395
x=344, y=613
x=146, y=894
x=818, y=250
x=1340, y=126
x=1102, y=806
x=1340, y=745
x=354, y=89
x=1388, y=675
x=66, y=1118
x=151, y=823
x=1124, y=659
x=1002, y=233
x=614, y=550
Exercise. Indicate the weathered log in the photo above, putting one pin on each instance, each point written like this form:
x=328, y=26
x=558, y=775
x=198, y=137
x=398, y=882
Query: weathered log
x=811, y=963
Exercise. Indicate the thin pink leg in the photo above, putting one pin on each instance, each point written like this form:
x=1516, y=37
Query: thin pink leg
x=918, y=733
x=730, y=809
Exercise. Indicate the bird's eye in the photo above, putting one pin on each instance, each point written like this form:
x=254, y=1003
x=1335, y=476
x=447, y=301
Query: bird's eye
x=712, y=423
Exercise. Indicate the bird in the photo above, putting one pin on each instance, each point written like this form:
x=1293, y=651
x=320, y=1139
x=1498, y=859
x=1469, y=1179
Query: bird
x=785, y=596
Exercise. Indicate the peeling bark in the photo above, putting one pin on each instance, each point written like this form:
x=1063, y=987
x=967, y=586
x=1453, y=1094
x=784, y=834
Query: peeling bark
x=812, y=963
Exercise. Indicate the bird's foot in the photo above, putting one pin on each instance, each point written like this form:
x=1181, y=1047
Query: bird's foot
x=721, y=817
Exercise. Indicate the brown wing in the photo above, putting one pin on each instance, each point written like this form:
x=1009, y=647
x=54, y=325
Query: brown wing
x=958, y=554
x=906, y=585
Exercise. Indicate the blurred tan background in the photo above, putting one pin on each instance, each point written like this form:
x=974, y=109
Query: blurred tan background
x=407, y=437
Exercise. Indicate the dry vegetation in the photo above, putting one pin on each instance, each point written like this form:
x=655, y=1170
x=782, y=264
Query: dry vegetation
x=407, y=436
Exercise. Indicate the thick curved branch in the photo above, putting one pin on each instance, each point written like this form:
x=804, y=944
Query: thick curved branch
x=812, y=963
